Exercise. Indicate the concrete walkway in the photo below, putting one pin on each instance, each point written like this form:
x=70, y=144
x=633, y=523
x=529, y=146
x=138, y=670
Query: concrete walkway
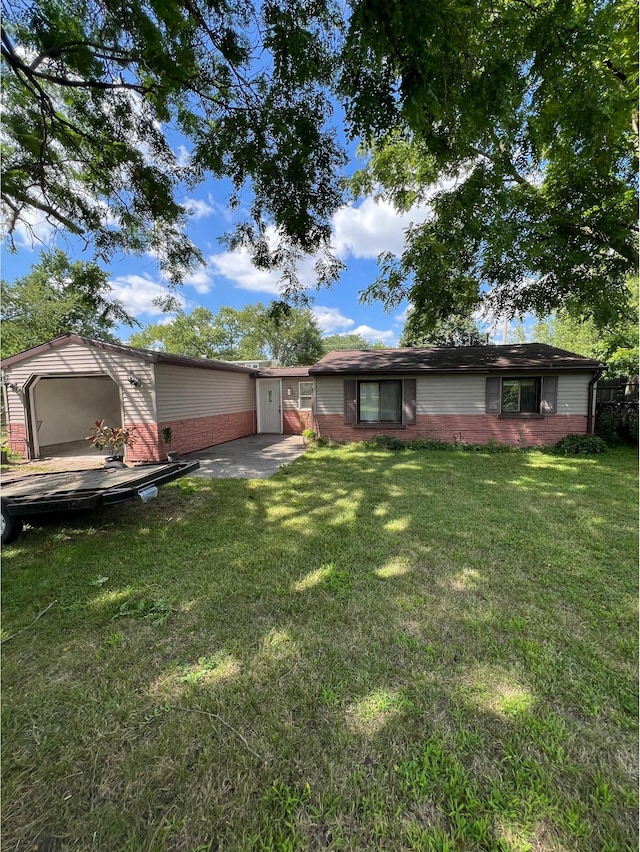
x=253, y=457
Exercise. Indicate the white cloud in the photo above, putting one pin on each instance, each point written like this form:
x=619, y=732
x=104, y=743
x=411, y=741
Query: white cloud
x=330, y=320
x=183, y=156
x=31, y=231
x=198, y=208
x=137, y=292
x=237, y=267
x=372, y=228
x=200, y=280
x=402, y=316
x=373, y=334
x=363, y=231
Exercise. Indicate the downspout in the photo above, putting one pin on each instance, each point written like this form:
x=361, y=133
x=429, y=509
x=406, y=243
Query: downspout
x=592, y=385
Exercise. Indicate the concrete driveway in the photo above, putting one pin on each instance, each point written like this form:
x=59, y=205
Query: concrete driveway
x=253, y=457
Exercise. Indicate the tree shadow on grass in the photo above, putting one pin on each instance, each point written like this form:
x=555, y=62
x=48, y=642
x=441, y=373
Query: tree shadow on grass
x=362, y=652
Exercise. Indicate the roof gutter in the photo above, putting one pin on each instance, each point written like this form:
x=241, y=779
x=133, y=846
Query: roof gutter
x=591, y=386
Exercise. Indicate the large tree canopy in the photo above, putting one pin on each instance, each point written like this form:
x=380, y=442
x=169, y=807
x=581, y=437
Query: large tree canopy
x=276, y=331
x=518, y=122
x=452, y=331
x=93, y=91
x=59, y=296
x=616, y=344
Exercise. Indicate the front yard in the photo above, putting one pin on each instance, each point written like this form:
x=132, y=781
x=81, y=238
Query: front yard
x=369, y=651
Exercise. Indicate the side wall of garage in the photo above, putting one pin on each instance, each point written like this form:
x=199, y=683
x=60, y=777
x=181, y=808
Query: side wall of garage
x=203, y=406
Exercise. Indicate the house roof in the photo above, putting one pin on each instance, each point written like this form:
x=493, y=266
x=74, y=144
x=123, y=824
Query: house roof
x=148, y=355
x=282, y=372
x=524, y=357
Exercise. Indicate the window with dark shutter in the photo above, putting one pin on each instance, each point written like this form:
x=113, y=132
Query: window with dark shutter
x=549, y=395
x=409, y=402
x=350, y=402
x=492, y=404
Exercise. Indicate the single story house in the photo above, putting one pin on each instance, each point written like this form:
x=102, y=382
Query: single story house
x=524, y=394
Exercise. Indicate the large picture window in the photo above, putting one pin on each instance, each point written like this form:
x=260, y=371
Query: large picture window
x=380, y=402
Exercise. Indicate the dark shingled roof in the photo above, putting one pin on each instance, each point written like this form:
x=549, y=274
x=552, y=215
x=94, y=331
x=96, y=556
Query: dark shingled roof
x=453, y=359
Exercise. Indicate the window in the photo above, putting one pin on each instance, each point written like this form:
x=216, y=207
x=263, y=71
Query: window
x=520, y=396
x=305, y=395
x=380, y=402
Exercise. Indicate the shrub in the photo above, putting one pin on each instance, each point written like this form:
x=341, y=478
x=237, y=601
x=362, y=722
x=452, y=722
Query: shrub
x=309, y=435
x=581, y=445
x=387, y=442
x=430, y=444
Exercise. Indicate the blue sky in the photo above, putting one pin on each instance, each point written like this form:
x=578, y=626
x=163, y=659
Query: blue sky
x=361, y=231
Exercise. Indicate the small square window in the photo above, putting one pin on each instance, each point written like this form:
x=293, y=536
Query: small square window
x=305, y=395
x=520, y=396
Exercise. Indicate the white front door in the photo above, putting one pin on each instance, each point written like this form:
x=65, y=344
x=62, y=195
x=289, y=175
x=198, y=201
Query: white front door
x=269, y=406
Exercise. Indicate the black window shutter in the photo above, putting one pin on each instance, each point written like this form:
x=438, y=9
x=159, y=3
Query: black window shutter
x=549, y=395
x=350, y=402
x=409, y=402
x=492, y=404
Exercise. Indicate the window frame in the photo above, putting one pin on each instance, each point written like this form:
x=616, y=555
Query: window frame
x=400, y=400
x=511, y=412
x=302, y=396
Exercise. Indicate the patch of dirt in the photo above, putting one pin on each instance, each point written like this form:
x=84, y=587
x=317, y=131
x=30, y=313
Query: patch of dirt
x=55, y=464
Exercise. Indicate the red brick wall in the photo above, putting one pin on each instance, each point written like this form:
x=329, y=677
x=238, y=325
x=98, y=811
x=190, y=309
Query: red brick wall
x=468, y=429
x=195, y=433
x=147, y=446
x=294, y=421
x=17, y=438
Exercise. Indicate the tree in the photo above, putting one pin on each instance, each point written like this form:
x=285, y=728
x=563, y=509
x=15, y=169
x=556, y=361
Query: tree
x=280, y=332
x=194, y=334
x=616, y=344
x=518, y=124
x=277, y=331
x=56, y=297
x=345, y=341
x=97, y=94
x=452, y=331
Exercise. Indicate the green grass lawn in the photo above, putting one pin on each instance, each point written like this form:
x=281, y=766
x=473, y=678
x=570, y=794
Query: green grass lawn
x=369, y=651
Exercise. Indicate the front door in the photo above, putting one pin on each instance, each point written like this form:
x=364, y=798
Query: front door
x=269, y=407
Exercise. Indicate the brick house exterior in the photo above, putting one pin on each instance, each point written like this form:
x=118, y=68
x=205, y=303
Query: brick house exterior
x=523, y=395
x=297, y=397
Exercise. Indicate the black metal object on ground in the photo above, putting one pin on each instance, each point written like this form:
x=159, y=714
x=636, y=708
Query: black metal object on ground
x=43, y=493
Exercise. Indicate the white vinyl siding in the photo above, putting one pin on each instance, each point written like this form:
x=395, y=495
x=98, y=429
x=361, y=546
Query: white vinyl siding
x=450, y=394
x=185, y=392
x=454, y=393
x=329, y=395
x=573, y=393
x=79, y=360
